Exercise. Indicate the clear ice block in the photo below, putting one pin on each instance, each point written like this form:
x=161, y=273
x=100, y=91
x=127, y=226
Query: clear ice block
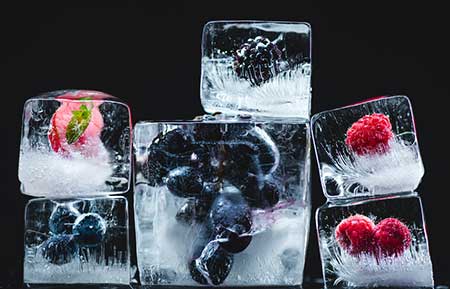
x=222, y=202
x=374, y=243
x=256, y=67
x=75, y=143
x=77, y=241
x=367, y=149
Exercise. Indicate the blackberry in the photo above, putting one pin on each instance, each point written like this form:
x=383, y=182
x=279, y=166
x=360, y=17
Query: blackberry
x=89, y=230
x=185, y=182
x=62, y=218
x=194, y=210
x=59, y=249
x=257, y=60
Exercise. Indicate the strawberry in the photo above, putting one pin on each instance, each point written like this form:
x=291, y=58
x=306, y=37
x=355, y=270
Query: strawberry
x=391, y=237
x=370, y=134
x=354, y=234
x=76, y=126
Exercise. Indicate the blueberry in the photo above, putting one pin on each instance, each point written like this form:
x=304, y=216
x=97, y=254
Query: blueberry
x=59, y=249
x=176, y=141
x=185, y=182
x=239, y=159
x=213, y=265
x=230, y=218
x=194, y=210
x=290, y=258
x=266, y=150
x=261, y=193
x=235, y=239
x=89, y=230
x=207, y=132
x=62, y=218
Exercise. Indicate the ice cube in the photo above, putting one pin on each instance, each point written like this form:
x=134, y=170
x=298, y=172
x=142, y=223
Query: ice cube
x=77, y=241
x=369, y=148
x=222, y=202
x=375, y=243
x=75, y=143
x=262, y=68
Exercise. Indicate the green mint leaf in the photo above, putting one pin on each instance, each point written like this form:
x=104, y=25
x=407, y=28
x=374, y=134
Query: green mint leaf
x=78, y=123
x=86, y=98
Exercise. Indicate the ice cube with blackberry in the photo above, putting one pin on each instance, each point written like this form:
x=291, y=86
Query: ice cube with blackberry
x=256, y=67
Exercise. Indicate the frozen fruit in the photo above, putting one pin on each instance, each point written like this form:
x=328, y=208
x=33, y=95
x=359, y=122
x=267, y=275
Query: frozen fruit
x=370, y=134
x=261, y=193
x=240, y=159
x=176, y=141
x=62, y=219
x=89, y=229
x=391, y=237
x=235, y=239
x=76, y=127
x=230, y=219
x=156, y=166
x=59, y=249
x=354, y=234
x=257, y=60
x=185, y=182
x=213, y=265
x=194, y=210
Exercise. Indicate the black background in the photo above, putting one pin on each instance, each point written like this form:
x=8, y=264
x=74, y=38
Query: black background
x=148, y=54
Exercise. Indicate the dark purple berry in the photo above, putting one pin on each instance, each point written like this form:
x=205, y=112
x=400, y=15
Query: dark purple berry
x=230, y=219
x=212, y=266
x=59, y=249
x=185, y=182
x=62, y=218
x=89, y=230
x=257, y=60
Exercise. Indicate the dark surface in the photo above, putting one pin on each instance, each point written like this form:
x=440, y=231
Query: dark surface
x=149, y=55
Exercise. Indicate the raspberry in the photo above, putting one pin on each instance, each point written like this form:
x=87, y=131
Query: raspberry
x=354, y=234
x=87, y=143
x=391, y=237
x=370, y=134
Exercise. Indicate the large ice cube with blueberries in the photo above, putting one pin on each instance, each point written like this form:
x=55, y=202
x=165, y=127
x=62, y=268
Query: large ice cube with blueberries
x=75, y=142
x=262, y=68
x=369, y=148
x=222, y=201
x=378, y=242
x=77, y=241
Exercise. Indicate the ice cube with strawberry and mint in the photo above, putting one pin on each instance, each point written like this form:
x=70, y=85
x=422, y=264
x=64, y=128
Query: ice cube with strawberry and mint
x=74, y=142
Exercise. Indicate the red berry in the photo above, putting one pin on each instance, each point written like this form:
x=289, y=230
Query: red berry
x=88, y=143
x=370, y=134
x=354, y=234
x=391, y=237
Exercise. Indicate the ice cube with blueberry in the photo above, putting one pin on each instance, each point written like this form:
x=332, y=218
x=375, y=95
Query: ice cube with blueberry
x=221, y=201
x=367, y=149
x=70, y=241
x=374, y=242
x=257, y=67
x=75, y=143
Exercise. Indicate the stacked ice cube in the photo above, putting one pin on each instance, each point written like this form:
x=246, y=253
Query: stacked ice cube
x=224, y=199
x=75, y=152
x=372, y=230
